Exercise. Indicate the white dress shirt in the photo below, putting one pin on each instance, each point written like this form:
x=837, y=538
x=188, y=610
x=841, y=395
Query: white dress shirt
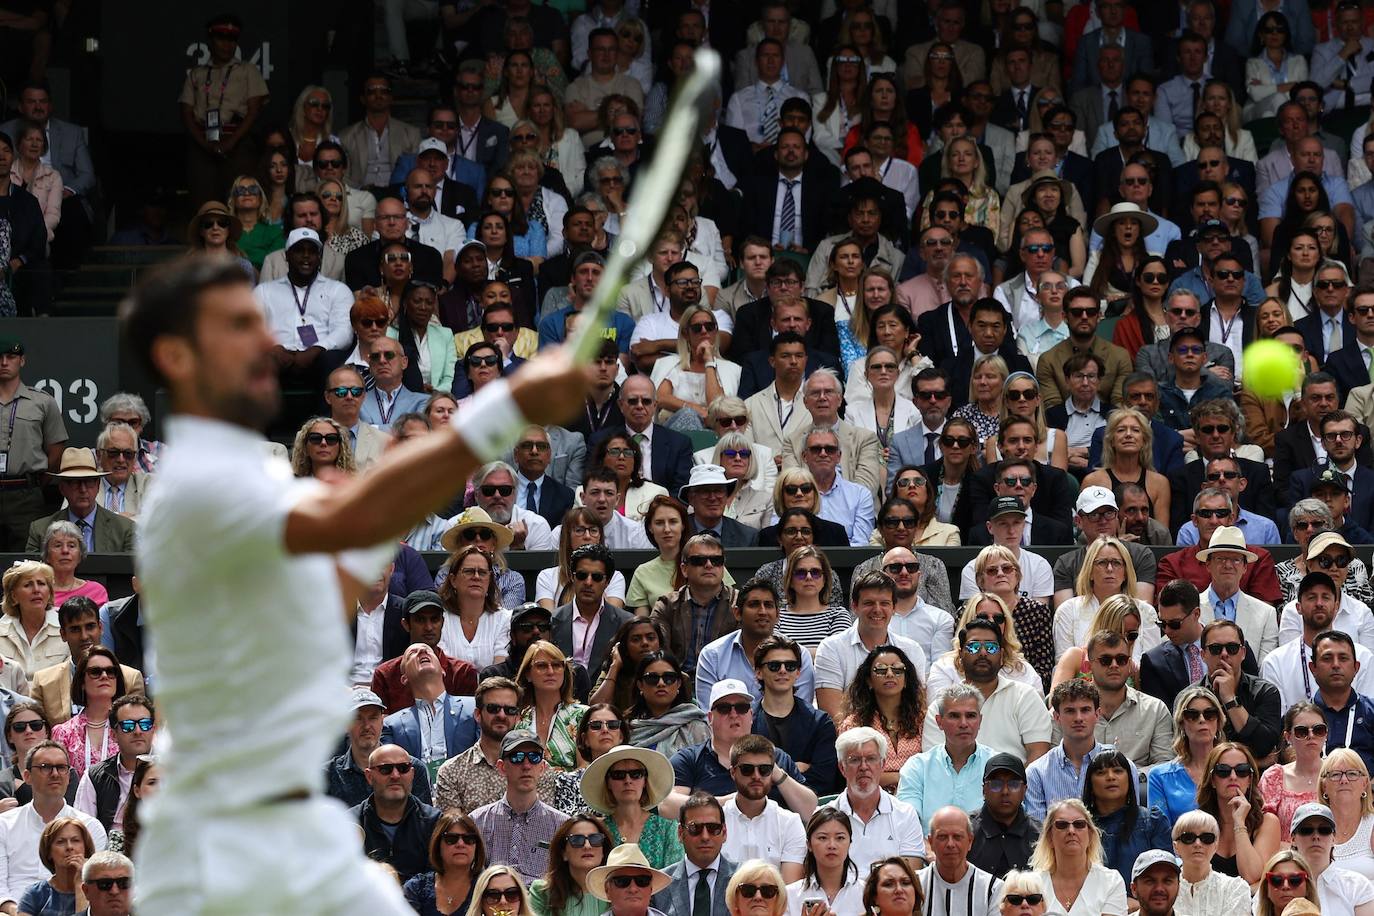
x=20, y=829
x=747, y=106
x=322, y=308
x=367, y=643
x=776, y=835
x=795, y=237
x=442, y=233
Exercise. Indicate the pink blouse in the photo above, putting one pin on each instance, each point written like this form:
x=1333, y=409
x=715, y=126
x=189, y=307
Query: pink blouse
x=92, y=590
x=899, y=750
x=72, y=735
x=1279, y=800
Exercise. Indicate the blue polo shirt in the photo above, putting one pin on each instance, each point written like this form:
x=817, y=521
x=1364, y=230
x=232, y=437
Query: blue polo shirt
x=1361, y=732
x=697, y=767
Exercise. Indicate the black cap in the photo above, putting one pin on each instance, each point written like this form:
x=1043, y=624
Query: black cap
x=1009, y=762
x=1329, y=477
x=1212, y=227
x=526, y=609
x=1006, y=505
x=1187, y=333
x=11, y=346
x=1314, y=578
x=420, y=599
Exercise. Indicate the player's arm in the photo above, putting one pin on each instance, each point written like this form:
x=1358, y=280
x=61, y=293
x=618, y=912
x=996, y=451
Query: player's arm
x=417, y=477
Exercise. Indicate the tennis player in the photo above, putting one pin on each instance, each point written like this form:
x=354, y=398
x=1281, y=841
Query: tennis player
x=244, y=574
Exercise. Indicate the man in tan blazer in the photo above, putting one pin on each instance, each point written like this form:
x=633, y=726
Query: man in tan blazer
x=357, y=138
x=779, y=412
x=51, y=687
x=861, y=457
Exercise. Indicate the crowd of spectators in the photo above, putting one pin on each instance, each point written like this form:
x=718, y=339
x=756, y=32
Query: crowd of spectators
x=865, y=323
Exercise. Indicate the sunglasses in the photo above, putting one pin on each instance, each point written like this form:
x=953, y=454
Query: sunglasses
x=1188, y=838
x=1235, y=201
x=1037, y=249
x=489, y=360
x=1222, y=475
x=32, y=725
x=624, y=881
x=766, y=891
x=956, y=441
x=323, y=438
x=1330, y=284
x=496, y=489
x=809, y=573
x=386, y=769
x=1018, y=899
x=1232, y=275
x=974, y=647
x=694, y=828
x=788, y=666
x=708, y=559
x=494, y=709
x=1294, y=880
x=614, y=452
x=578, y=840
x=329, y=163
x=1230, y=648
x=898, y=568
x=1018, y=480
x=582, y=575
x=1022, y=394
x=498, y=327
x=1190, y=350
x=666, y=678
x=739, y=709
x=453, y=839
x=100, y=673
x=1216, y=429
x=529, y=626
x=109, y=884
x=1318, y=829
x=749, y=769
x=1076, y=824
x=215, y=222
x=1326, y=562
x=530, y=757
x=509, y=895
x=798, y=489
x=126, y=453
x=1212, y=513
x=625, y=775
x=733, y=422
x=500, y=192
x=737, y=453
x=890, y=670
x=1224, y=770
x=127, y=726
x=823, y=449
x=1120, y=660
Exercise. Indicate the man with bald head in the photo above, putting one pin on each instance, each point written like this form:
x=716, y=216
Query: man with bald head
x=951, y=879
x=926, y=625
x=1307, y=154
x=396, y=825
x=442, y=233
x=362, y=266
x=667, y=454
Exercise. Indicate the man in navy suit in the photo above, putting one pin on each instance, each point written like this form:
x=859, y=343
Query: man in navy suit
x=1135, y=47
x=490, y=145
x=753, y=320
x=964, y=282
x=1197, y=197
x=1350, y=365
x=1216, y=427
x=701, y=830
x=535, y=490
x=667, y=454
x=708, y=493
x=407, y=728
x=920, y=444
x=1176, y=662
x=1053, y=494
x=1017, y=477
x=1329, y=323
x=1341, y=438
x=818, y=185
x=990, y=332
x=788, y=314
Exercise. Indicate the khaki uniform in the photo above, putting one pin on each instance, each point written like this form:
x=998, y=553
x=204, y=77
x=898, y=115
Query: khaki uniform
x=37, y=424
x=228, y=90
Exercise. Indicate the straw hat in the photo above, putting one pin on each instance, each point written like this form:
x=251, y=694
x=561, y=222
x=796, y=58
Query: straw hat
x=626, y=855
x=1046, y=176
x=1125, y=210
x=475, y=517
x=1227, y=539
x=214, y=208
x=78, y=464
x=594, y=776
x=706, y=475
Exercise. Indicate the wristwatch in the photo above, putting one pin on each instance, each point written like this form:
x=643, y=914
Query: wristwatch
x=1230, y=704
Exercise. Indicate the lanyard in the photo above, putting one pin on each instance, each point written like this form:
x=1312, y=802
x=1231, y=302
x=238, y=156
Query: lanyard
x=596, y=416
x=465, y=148
x=1226, y=326
x=223, y=84
x=845, y=303
x=302, y=302
x=791, y=408
x=953, y=336
x=14, y=411
x=383, y=411
x=1302, y=663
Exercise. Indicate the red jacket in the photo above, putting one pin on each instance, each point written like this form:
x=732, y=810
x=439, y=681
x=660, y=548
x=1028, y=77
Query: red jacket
x=1259, y=581
x=460, y=679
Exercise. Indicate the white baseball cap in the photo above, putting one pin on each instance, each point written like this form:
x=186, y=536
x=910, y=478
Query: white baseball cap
x=431, y=145
x=303, y=234
x=730, y=687
x=1093, y=498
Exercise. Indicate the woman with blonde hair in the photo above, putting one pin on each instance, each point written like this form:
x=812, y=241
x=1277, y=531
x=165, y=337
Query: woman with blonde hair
x=756, y=889
x=559, y=146
x=884, y=411
x=1230, y=793
x=1201, y=889
x=911, y=484
x=1128, y=457
x=1021, y=400
x=549, y=710
x=962, y=160
x=796, y=488
x=1120, y=614
x=697, y=374
x=1287, y=877
x=997, y=572
x=750, y=503
x=1198, y=718
x=1106, y=570
x=837, y=108
x=321, y=443
x=500, y=891
x=948, y=669
x=260, y=237
x=805, y=614
x=29, y=632
x=312, y=122
x=540, y=204
x=342, y=237
x=1344, y=788
x=1068, y=860
x=1219, y=99
x=215, y=231
x=1021, y=894
x=984, y=407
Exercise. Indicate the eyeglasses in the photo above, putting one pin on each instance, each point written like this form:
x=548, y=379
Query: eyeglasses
x=31, y=725
x=890, y=670
x=1000, y=569
x=57, y=769
x=453, y=839
x=1004, y=785
x=1018, y=899
x=694, y=828
x=1109, y=563
x=1318, y=829
x=582, y=575
x=101, y=673
x=1294, y=880
x=798, y=489
x=781, y=665
x=1224, y=770
x=127, y=454
x=1196, y=715
x=808, y=573
x=625, y=775
x=1339, y=435
x=1328, y=562
x=666, y=678
x=578, y=840
x=615, y=452
x=495, y=709
x=496, y=489
x=956, y=441
x=1120, y=660
x=1018, y=480
x=530, y=757
x=737, y=453
x=1188, y=838
x=1230, y=648
x=975, y=647
x=509, y=894
x=127, y=726
x=767, y=891
x=323, y=438
x=624, y=881
x=499, y=327
x=1190, y=349
x=1076, y=824
x=687, y=283
x=797, y=532
x=533, y=446
x=1230, y=274
x=882, y=367
x=739, y=709
x=705, y=559
x=1215, y=429
x=1060, y=286
x=474, y=572
x=386, y=769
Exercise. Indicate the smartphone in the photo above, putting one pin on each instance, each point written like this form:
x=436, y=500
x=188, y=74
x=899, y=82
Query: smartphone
x=811, y=905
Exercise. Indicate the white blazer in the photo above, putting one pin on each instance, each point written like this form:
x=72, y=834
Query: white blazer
x=1258, y=621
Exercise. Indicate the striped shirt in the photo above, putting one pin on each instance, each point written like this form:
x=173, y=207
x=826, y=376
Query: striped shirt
x=810, y=629
x=975, y=894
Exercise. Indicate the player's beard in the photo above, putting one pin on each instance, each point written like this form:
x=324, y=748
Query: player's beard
x=241, y=406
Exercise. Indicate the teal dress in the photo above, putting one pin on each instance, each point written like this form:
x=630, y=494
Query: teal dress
x=658, y=840
x=582, y=905
x=259, y=242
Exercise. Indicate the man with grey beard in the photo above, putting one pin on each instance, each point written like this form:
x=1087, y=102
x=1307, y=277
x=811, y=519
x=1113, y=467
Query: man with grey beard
x=494, y=487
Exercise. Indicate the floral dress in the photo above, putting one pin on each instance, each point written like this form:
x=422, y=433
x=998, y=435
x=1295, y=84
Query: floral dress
x=561, y=748
x=658, y=840
x=984, y=425
x=1035, y=628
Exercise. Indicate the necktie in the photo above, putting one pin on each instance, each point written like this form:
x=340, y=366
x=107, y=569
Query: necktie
x=787, y=224
x=85, y=528
x=770, y=116
x=531, y=503
x=1194, y=656
x=701, y=898
x=1333, y=337
x=1022, y=111
x=1197, y=96
x=1113, y=106
x=930, y=447
x=1369, y=358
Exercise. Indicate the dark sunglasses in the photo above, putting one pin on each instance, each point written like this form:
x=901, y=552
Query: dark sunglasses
x=1022, y=394
x=127, y=454
x=1230, y=648
x=694, y=828
x=749, y=769
x=798, y=489
x=453, y=839
x=1294, y=880
x=1234, y=275
x=897, y=568
x=899, y=522
x=578, y=840
x=767, y=891
x=707, y=559
x=1194, y=715
x=215, y=222
x=666, y=678
x=479, y=534
x=498, y=327
x=1018, y=899
x=1318, y=829
x=776, y=666
x=739, y=709
x=509, y=894
x=1325, y=562
x=624, y=775
x=488, y=360
x=1224, y=770
x=609, y=725
x=956, y=441
x=496, y=489
x=1188, y=838
x=32, y=725
x=323, y=438
x=1303, y=731
x=386, y=769
x=624, y=881
x=348, y=391
x=108, y=884
x=582, y=575
x=493, y=709
x=529, y=626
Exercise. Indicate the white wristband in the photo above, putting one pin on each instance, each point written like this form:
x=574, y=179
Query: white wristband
x=492, y=423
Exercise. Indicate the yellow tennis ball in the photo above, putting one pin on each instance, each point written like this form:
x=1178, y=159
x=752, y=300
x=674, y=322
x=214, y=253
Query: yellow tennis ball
x=1270, y=368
